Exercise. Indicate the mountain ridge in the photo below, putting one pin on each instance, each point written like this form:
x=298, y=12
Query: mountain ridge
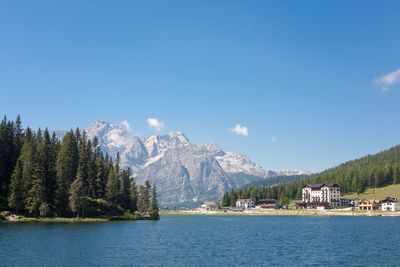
x=182, y=171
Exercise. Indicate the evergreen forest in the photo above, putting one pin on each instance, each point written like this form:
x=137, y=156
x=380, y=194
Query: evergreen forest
x=371, y=171
x=42, y=176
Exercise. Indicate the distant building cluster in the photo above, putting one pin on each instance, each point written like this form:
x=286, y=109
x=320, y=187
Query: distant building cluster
x=327, y=196
x=314, y=196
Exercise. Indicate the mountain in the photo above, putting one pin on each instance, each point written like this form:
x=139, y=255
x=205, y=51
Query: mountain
x=182, y=171
x=240, y=169
x=284, y=172
x=274, y=180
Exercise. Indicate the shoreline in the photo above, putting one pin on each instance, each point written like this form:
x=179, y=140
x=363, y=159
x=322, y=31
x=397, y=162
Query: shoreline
x=342, y=213
x=13, y=218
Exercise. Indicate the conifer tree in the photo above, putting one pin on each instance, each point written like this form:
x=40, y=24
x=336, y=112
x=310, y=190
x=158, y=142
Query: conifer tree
x=66, y=167
x=225, y=200
x=77, y=194
x=154, y=205
x=125, y=197
x=144, y=198
x=31, y=172
x=133, y=196
x=46, y=168
x=18, y=139
x=112, y=188
x=233, y=198
x=101, y=178
x=17, y=189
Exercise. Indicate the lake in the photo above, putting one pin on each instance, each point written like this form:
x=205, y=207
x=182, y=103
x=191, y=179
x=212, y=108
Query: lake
x=205, y=240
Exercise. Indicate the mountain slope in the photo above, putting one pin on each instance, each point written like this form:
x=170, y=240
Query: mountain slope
x=274, y=180
x=371, y=171
x=182, y=171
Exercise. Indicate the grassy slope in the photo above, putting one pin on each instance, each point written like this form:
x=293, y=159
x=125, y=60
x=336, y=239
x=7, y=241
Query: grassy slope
x=380, y=193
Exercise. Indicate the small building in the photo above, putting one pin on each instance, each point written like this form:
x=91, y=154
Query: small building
x=369, y=204
x=208, y=205
x=267, y=204
x=349, y=202
x=244, y=203
x=390, y=204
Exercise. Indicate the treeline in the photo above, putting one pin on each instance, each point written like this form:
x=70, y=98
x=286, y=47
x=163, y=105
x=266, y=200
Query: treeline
x=353, y=176
x=42, y=176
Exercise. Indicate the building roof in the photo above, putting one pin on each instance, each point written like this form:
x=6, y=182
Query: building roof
x=242, y=200
x=370, y=200
x=319, y=186
x=267, y=201
x=390, y=199
x=208, y=203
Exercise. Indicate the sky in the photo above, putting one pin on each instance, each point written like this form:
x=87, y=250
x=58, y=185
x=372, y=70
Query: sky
x=292, y=84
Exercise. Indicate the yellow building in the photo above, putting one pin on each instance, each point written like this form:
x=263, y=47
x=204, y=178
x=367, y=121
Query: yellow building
x=369, y=204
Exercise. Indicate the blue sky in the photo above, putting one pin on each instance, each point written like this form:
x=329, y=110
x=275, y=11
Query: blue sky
x=315, y=83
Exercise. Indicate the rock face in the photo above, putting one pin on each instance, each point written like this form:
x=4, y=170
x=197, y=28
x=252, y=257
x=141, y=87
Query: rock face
x=182, y=171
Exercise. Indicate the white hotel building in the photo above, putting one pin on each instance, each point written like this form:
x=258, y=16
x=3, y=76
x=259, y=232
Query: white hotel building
x=321, y=195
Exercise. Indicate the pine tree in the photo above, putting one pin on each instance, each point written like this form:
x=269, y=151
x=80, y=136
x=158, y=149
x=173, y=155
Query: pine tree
x=233, y=198
x=35, y=195
x=18, y=139
x=112, y=188
x=225, y=200
x=134, y=196
x=77, y=194
x=32, y=170
x=92, y=172
x=101, y=178
x=17, y=192
x=46, y=168
x=125, y=197
x=154, y=205
x=144, y=198
x=66, y=167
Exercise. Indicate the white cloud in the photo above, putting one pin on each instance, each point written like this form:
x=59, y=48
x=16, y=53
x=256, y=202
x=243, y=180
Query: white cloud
x=388, y=80
x=154, y=123
x=273, y=139
x=239, y=130
x=126, y=124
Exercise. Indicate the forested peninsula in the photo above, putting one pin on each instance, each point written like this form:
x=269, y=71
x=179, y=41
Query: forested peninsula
x=43, y=176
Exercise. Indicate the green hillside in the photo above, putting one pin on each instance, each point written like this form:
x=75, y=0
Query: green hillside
x=380, y=193
x=371, y=171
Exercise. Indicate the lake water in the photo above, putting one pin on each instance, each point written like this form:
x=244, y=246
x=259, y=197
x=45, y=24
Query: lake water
x=205, y=241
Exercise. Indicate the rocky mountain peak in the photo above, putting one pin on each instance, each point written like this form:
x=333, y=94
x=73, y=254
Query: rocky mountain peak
x=182, y=171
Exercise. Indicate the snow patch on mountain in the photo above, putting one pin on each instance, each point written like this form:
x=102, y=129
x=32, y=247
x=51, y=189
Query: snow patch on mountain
x=235, y=162
x=285, y=172
x=181, y=170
